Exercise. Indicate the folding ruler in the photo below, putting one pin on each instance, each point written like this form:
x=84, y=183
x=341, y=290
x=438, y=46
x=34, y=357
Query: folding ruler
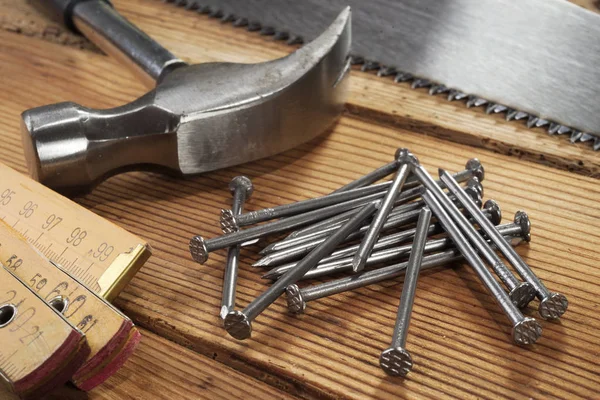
x=58, y=260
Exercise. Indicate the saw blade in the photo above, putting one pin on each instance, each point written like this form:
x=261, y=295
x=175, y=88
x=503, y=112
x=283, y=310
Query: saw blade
x=533, y=60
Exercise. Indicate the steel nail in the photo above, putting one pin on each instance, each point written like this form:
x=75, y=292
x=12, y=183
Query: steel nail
x=200, y=247
x=552, y=305
x=473, y=168
x=363, y=181
x=239, y=323
x=231, y=223
x=241, y=188
x=372, y=234
x=291, y=249
x=474, y=183
x=330, y=266
x=520, y=293
x=396, y=360
x=306, y=244
x=297, y=298
x=373, y=176
x=331, y=226
x=525, y=330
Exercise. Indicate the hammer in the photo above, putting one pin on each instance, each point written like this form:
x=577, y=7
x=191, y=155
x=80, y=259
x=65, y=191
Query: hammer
x=197, y=118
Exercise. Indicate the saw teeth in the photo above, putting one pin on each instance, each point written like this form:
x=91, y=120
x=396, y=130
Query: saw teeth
x=420, y=83
x=369, y=66
x=204, y=9
x=386, y=71
x=416, y=83
x=531, y=121
x=267, y=31
x=575, y=136
x=438, y=89
x=521, y=115
x=216, y=14
x=511, y=114
x=495, y=108
x=253, y=26
x=553, y=128
x=293, y=40
x=403, y=77
x=474, y=101
x=355, y=60
x=228, y=18
x=454, y=94
x=281, y=36
x=240, y=22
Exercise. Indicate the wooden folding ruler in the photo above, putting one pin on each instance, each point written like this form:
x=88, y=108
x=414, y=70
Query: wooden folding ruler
x=97, y=252
x=57, y=262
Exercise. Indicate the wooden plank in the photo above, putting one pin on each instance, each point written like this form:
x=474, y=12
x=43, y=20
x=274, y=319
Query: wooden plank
x=160, y=369
x=372, y=97
x=458, y=336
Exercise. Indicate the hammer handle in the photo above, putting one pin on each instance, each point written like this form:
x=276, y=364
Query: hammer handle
x=112, y=33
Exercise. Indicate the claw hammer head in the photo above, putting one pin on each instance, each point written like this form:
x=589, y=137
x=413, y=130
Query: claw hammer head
x=198, y=118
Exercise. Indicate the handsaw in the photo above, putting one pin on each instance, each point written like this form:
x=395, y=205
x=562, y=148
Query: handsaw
x=535, y=60
x=40, y=348
x=111, y=336
x=95, y=251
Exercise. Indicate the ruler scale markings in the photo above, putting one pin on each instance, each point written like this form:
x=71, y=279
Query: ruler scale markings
x=37, y=367
x=63, y=223
x=88, y=268
x=106, y=329
x=9, y=357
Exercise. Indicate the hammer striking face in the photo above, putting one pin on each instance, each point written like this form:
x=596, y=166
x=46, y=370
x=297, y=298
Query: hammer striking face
x=198, y=118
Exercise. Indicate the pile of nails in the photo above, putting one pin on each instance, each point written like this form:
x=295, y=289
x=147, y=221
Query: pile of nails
x=368, y=224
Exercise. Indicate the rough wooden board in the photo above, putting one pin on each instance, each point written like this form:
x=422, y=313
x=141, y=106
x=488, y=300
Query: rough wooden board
x=372, y=97
x=164, y=370
x=458, y=337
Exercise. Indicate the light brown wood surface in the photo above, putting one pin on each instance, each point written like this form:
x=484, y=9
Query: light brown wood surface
x=458, y=337
x=162, y=369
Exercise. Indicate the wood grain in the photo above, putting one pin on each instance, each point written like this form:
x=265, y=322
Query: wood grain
x=372, y=98
x=165, y=370
x=458, y=337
